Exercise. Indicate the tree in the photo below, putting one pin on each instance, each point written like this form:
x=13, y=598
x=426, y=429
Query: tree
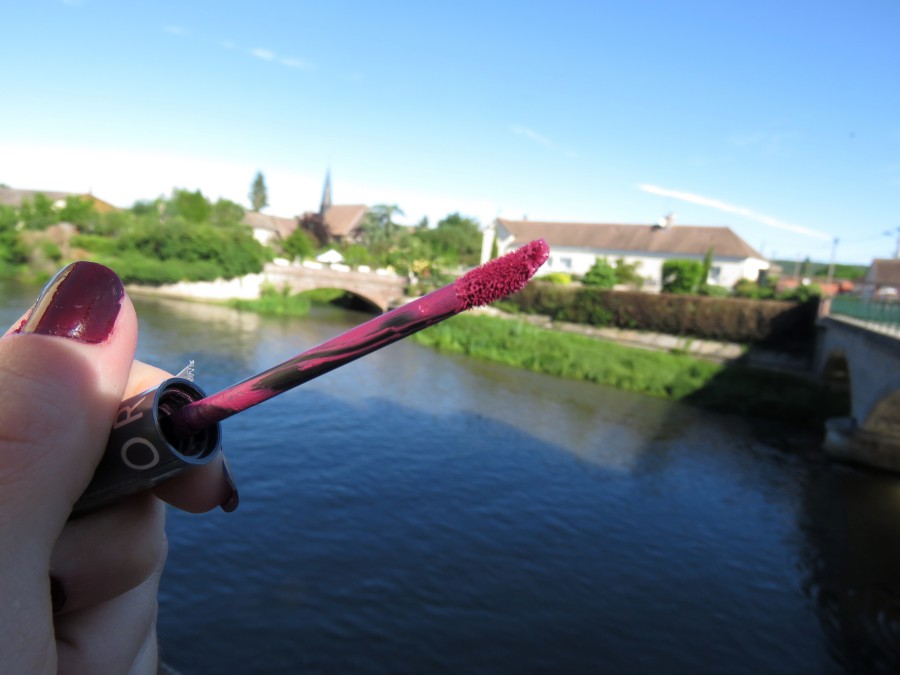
x=79, y=211
x=191, y=206
x=707, y=266
x=379, y=227
x=259, y=197
x=298, y=245
x=601, y=275
x=681, y=276
x=456, y=240
x=627, y=274
x=38, y=214
x=226, y=213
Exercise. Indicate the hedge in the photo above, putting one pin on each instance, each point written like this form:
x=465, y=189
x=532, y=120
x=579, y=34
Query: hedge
x=788, y=326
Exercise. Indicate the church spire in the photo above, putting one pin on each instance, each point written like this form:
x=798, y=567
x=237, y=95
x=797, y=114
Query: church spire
x=326, y=194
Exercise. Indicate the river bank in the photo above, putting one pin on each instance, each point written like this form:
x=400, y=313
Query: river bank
x=714, y=375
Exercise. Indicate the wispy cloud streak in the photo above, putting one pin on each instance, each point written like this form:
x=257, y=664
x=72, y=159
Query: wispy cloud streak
x=263, y=54
x=731, y=208
x=533, y=136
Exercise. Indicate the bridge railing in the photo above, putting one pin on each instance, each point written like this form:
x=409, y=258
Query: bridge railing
x=885, y=314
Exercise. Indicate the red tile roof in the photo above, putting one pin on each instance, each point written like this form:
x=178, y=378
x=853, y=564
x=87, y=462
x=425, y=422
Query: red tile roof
x=341, y=220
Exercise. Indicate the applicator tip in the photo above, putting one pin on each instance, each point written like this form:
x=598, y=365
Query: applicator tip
x=502, y=276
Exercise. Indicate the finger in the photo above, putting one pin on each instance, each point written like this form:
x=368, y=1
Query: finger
x=118, y=636
x=142, y=377
x=109, y=552
x=62, y=376
x=201, y=488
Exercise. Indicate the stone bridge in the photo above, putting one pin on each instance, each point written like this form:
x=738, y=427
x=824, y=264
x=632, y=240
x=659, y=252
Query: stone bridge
x=381, y=290
x=867, y=358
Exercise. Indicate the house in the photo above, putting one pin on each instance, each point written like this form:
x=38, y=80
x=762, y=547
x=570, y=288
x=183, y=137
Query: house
x=14, y=197
x=334, y=223
x=574, y=247
x=882, y=279
x=267, y=229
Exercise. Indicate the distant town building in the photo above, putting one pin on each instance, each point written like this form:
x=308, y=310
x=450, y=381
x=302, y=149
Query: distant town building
x=334, y=223
x=882, y=279
x=267, y=229
x=14, y=197
x=574, y=247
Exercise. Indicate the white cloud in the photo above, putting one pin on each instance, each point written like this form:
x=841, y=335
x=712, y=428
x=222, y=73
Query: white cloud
x=227, y=44
x=175, y=30
x=299, y=64
x=737, y=210
x=532, y=135
x=263, y=54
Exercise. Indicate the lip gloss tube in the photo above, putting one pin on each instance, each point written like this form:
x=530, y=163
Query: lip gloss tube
x=142, y=451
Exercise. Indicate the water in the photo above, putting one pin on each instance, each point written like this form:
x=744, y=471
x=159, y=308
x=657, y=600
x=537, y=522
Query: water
x=420, y=513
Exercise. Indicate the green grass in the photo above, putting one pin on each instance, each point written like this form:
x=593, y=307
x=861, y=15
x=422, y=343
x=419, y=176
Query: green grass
x=276, y=303
x=661, y=374
x=283, y=303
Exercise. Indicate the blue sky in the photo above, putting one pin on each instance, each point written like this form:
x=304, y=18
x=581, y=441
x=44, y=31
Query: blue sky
x=778, y=119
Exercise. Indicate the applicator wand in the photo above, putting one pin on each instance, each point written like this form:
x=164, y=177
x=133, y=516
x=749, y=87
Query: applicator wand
x=163, y=431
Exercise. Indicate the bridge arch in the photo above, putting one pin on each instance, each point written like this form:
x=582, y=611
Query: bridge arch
x=884, y=418
x=869, y=363
x=381, y=290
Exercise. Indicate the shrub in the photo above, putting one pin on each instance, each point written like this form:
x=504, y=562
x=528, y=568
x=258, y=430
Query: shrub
x=682, y=276
x=561, y=278
x=601, y=275
x=787, y=325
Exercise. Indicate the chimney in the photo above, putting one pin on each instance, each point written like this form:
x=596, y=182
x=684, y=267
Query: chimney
x=666, y=222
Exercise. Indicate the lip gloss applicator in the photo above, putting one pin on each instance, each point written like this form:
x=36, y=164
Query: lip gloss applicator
x=163, y=431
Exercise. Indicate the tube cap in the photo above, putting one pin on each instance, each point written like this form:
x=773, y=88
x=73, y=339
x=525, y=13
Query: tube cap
x=141, y=452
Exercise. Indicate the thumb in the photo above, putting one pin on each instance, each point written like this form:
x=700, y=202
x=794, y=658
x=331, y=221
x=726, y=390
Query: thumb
x=62, y=375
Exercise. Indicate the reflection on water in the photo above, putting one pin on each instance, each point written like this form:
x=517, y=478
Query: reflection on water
x=414, y=512
x=852, y=549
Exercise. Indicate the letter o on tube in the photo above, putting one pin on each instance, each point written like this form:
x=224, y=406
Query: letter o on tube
x=154, y=454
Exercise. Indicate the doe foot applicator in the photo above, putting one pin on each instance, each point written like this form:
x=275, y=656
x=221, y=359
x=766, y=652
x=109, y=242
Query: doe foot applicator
x=161, y=432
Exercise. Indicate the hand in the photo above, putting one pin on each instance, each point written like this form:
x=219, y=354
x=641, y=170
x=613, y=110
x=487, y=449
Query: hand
x=79, y=596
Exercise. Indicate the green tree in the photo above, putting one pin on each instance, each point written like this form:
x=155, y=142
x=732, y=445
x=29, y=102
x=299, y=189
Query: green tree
x=298, y=245
x=38, y=213
x=259, y=196
x=627, y=273
x=192, y=206
x=79, y=211
x=381, y=234
x=226, y=213
x=681, y=276
x=601, y=275
x=12, y=251
x=455, y=240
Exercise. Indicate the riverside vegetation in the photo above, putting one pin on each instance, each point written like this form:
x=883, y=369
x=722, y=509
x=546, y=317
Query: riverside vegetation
x=187, y=237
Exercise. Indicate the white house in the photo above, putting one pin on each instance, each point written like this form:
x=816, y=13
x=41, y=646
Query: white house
x=268, y=229
x=574, y=247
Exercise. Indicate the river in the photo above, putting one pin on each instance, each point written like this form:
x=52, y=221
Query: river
x=415, y=512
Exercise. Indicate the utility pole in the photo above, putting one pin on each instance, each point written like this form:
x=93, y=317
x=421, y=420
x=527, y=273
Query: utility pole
x=831, y=264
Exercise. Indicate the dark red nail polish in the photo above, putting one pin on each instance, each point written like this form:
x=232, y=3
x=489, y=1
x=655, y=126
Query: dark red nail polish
x=81, y=303
x=57, y=595
x=231, y=502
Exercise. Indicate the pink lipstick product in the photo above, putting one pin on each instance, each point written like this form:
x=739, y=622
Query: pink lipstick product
x=161, y=432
